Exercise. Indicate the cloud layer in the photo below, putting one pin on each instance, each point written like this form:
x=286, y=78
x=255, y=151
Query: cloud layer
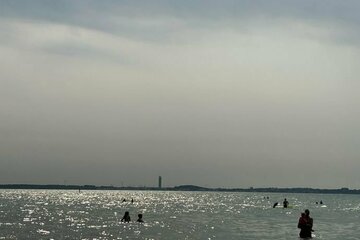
x=234, y=94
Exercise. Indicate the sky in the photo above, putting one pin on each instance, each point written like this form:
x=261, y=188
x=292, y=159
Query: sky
x=211, y=93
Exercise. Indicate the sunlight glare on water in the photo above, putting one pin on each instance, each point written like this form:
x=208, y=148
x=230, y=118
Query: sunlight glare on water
x=64, y=214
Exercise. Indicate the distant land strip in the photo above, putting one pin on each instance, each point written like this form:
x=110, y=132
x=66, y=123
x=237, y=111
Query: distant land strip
x=181, y=188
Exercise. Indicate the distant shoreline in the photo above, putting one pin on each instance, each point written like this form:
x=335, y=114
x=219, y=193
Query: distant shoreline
x=181, y=188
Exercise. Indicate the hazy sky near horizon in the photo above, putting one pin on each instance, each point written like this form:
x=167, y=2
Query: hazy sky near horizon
x=211, y=93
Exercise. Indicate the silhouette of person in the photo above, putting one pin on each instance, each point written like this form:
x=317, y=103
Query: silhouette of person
x=305, y=224
x=126, y=217
x=132, y=200
x=285, y=203
x=140, y=218
x=302, y=219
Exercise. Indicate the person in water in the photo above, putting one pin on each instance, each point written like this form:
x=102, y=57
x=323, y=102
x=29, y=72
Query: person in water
x=126, y=217
x=285, y=203
x=140, y=218
x=302, y=219
x=275, y=204
x=305, y=224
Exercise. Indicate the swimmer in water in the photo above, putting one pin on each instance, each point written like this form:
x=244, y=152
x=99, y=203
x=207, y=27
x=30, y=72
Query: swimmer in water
x=126, y=217
x=285, y=203
x=140, y=218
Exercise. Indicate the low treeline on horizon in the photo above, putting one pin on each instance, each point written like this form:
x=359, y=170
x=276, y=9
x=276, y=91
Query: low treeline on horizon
x=181, y=188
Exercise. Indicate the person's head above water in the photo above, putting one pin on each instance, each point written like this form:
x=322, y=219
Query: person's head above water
x=307, y=212
x=126, y=217
x=140, y=218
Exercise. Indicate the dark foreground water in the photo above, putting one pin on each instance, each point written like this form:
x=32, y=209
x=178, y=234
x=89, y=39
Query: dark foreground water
x=53, y=214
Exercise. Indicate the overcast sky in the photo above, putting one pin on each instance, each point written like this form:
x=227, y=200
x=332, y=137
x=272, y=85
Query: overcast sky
x=211, y=93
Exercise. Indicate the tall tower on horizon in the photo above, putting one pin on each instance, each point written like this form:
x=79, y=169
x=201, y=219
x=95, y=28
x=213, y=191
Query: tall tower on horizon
x=160, y=182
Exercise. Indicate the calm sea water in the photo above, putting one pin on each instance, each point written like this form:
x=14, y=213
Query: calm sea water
x=52, y=214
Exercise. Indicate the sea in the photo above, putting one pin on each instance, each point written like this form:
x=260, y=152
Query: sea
x=70, y=214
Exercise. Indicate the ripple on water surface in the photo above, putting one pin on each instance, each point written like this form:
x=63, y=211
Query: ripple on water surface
x=56, y=214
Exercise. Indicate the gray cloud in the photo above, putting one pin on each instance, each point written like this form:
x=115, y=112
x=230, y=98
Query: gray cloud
x=250, y=93
x=156, y=20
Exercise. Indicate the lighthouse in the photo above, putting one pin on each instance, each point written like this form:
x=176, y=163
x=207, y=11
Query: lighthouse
x=160, y=182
